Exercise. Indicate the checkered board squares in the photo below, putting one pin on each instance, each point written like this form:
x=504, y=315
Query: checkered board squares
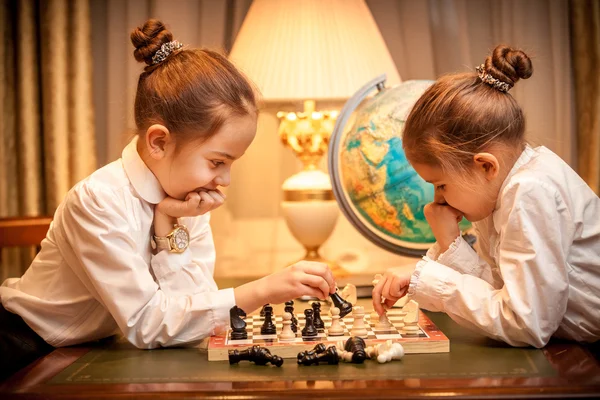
x=255, y=322
x=428, y=338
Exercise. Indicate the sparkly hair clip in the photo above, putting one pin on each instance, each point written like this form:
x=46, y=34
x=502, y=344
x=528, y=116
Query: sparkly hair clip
x=165, y=51
x=490, y=80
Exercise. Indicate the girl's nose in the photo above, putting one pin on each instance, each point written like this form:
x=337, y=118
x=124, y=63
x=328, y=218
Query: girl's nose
x=438, y=198
x=223, y=179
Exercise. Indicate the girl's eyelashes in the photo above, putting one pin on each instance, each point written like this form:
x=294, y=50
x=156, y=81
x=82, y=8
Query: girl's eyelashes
x=440, y=187
x=216, y=163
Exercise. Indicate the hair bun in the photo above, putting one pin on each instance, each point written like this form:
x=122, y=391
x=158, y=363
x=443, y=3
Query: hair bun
x=508, y=65
x=148, y=39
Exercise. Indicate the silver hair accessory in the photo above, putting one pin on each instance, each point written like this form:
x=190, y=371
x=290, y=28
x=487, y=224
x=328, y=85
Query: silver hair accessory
x=490, y=80
x=165, y=51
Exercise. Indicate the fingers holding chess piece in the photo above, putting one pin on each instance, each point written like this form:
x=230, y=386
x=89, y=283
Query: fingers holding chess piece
x=344, y=306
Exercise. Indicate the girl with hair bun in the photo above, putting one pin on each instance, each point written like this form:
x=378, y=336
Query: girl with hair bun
x=537, y=273
x=130, y=248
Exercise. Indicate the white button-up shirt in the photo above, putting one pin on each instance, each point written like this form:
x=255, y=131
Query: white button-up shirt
x=96, y=272
x=538, y=270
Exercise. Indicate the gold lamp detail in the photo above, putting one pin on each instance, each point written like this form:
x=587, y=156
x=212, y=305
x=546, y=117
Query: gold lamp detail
x=307, y=51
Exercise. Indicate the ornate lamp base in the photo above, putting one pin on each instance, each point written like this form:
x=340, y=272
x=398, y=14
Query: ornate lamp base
x=311, y=213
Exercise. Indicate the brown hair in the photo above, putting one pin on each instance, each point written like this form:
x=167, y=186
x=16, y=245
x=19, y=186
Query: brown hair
x=460, y=115
x=191, y=92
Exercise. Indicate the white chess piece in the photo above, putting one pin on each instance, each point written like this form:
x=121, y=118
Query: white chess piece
x=389, y=351
x=411, y=320
x=348, y=293
x=336, y=329
x=383, y=322
x=358, y=325
x=287, y=333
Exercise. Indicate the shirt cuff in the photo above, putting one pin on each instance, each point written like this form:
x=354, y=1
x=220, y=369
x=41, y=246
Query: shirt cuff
x=165, y=263
x=428, y=284
x=222, y=302
x=434, y=252
x=460, y=256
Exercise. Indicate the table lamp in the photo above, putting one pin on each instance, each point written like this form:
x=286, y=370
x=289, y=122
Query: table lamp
x=306, y=51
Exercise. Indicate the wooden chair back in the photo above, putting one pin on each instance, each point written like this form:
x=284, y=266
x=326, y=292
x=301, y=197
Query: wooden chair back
x=23, y=231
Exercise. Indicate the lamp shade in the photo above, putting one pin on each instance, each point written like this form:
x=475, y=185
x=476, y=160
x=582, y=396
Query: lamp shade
x=311, y=49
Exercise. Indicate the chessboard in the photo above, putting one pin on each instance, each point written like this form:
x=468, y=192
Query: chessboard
x=427, y=339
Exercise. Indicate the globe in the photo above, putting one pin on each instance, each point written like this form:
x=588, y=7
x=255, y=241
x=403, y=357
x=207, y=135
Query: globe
x=375, y=186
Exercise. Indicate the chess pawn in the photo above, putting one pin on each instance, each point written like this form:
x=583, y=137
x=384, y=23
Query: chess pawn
x=262, y=310
x=358, y=325
x=319, y=324
x=309, y=329
x=336, y=329
x=268, y=327
x=287, y=333
x=289, y=307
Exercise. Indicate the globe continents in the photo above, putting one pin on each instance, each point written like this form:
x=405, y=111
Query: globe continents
x=377, y=189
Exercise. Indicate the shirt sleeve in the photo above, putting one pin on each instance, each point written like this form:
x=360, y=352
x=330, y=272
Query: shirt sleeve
x=531, y=303
x=98, y=244
x=461, y=257
x=192, y=271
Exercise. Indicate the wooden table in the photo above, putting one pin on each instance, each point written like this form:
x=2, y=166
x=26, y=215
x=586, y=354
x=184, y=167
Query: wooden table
x=116, y=370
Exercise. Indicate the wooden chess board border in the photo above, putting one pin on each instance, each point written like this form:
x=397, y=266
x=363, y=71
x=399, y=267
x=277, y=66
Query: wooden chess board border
x=435, y=342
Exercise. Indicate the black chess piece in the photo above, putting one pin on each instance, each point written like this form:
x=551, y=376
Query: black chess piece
x=319, y=348
x=330, y=356
x=356, y=346
x=319, y=324
x=289, y=307
x=256, y=354
x=268, y=327
x=309, y=329
x=344, y=306
x=262, y=310
x=237, y=323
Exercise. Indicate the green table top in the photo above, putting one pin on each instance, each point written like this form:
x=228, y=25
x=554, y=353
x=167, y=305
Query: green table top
x=471, y=355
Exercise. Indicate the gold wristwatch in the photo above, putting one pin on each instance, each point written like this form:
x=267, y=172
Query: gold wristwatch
x=175, y=242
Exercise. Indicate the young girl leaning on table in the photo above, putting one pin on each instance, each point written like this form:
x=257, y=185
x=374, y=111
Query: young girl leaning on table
x=130, y=248
x=537, y=274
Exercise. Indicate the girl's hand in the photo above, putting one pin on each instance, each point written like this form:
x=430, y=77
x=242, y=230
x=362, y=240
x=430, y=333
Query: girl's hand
x=195, y=203
x=305, y=278
x=392, y=286
x=443, y=220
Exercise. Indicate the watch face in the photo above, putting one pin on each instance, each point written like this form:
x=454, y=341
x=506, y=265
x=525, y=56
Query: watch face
x=181, y=239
